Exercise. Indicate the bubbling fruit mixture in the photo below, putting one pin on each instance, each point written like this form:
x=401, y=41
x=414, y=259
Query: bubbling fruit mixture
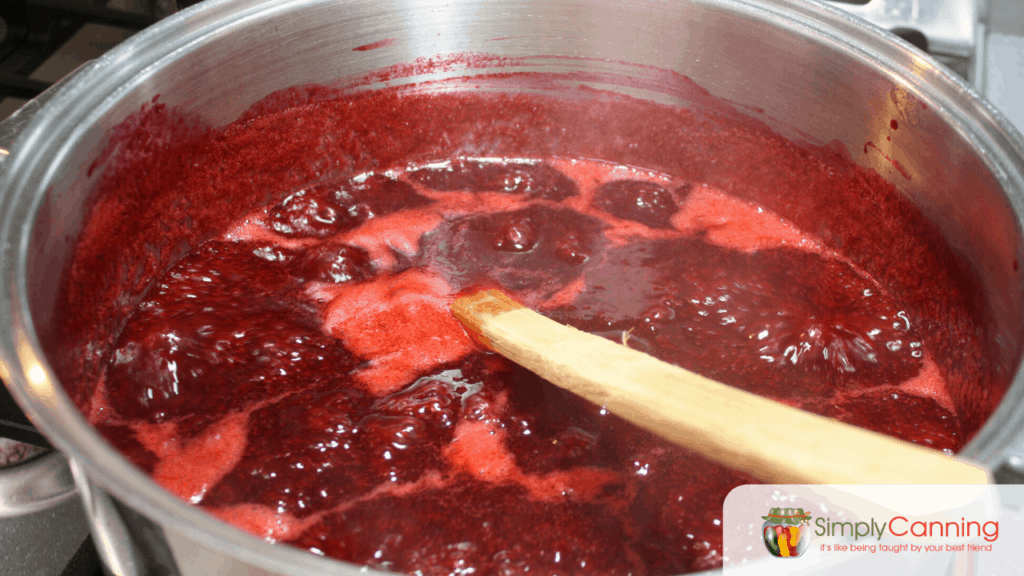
x=299, y=374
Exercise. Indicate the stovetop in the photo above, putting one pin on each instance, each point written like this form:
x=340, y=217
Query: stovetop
x=981, y=40
x=43, y=40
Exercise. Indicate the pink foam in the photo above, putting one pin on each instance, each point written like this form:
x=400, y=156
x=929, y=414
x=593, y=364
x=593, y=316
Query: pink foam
x=263, y=521
x=566, y=295
x=451, y=204
x=430, y=480
x=581, y=484
x=929, y=383
x=623, y=232
x=324, y=292
x=399, y=232
x=478, y=448
x=588, y=175
x=401, y=322
x=591, y=174
x=739, y=225
x=189, y=470
x=253, y=227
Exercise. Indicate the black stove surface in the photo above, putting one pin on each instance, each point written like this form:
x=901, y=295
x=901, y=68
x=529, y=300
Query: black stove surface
x=85, y=562
x=32, y=31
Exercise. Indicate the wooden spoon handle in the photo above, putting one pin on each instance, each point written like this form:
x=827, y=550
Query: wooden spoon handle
x=769, y=440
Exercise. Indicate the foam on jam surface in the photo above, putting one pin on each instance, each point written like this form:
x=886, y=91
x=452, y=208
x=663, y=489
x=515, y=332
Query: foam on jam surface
x=306, y=366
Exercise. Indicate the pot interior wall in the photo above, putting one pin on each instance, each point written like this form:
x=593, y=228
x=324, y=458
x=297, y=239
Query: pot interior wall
x=801, y=83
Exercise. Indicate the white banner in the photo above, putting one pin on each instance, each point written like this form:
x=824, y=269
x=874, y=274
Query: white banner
x=874, y=530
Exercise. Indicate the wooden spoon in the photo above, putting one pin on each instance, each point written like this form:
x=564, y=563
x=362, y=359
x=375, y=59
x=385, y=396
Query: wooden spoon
x=774, y=442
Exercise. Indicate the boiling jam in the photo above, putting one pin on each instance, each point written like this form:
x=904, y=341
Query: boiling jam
x=301, y=376
x=297, y=372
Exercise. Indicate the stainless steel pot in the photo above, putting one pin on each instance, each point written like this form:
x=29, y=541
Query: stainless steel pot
x=811, y=71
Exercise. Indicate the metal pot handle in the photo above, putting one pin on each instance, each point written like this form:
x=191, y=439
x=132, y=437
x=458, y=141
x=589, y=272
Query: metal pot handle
x=13, y=422
x=128, y=543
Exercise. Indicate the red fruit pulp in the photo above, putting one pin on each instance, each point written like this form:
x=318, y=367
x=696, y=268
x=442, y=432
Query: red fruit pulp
x=399, y=410
x=302, y=368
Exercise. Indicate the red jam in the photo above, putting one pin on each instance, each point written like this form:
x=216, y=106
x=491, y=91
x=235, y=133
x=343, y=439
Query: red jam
x=298, y=374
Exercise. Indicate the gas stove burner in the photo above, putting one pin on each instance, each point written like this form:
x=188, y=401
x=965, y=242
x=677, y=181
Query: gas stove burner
x=43, y=529
x=980, y=40
x=13, y=453
x=31, y=31
x=949, y=30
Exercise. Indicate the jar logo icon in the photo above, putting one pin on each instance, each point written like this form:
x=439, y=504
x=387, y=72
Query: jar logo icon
x=786, y=532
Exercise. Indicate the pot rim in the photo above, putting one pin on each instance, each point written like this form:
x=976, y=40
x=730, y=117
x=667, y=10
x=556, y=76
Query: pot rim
x=51, y=135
